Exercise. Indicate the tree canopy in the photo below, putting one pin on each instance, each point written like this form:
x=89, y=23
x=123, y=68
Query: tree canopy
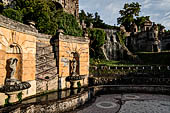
x=97, y=39
x=94, y=19
x=45, y=15
x=128, y=14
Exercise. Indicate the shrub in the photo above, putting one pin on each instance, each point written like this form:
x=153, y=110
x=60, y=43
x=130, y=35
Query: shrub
x=12, y=14
x=97, y=39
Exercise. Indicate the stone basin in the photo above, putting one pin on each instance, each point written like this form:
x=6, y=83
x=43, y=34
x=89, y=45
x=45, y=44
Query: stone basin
x=16, y=87
x=74, y=78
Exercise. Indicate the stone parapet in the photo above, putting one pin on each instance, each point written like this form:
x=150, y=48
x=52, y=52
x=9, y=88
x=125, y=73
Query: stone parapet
x=17, y=26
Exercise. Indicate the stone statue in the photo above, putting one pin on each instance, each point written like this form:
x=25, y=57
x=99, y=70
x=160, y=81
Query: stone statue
x=12, y=66
x=74, y=67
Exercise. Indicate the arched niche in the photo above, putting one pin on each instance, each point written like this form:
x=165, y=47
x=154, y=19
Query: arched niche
x=75, y=56
x=58, y=5
x=14, y=51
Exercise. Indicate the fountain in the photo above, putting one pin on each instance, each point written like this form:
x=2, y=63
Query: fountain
x=13, y=86
x=75, y=78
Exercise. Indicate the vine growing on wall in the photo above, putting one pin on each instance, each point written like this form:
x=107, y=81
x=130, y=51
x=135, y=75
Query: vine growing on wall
x=122, y=38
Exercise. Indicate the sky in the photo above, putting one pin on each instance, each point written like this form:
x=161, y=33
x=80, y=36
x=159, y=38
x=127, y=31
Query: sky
x=158, y=10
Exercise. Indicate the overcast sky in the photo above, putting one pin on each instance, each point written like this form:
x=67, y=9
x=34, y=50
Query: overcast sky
x=158, y=10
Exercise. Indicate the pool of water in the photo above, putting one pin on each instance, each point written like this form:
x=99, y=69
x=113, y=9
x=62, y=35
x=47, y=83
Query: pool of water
x=59, y=95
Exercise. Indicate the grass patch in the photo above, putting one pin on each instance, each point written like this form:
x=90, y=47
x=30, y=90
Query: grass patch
x=99, y=62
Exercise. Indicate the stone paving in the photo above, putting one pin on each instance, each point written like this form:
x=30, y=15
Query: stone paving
x=128, y=103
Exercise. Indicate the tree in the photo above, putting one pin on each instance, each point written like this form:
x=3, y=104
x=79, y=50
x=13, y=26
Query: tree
x=68, y=23
x=95, y=20
x=140, y=20
x=128, y=14
x=160, y=27
x=82, y=15
x=97, y=39
x=12, y=14
x=45, y=15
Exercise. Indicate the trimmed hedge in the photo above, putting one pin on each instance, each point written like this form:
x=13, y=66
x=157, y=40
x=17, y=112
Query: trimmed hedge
x=162, y=58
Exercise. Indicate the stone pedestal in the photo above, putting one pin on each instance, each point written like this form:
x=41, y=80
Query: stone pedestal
x=13, y=96
x=74, y=83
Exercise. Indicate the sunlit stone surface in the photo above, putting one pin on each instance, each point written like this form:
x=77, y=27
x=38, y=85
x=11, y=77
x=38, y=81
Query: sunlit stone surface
x=128, y=103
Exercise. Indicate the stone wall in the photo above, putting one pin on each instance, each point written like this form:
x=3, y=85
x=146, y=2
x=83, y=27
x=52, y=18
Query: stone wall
x=46, y=69
x=70, y=6
x=53, y=106
x=18, y=41
x=53, y=56
x=66, y=46
x=113, y=50
x=24, y=48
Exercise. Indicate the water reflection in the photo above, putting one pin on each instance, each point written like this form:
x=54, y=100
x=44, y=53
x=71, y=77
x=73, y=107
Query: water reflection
x=54, y=96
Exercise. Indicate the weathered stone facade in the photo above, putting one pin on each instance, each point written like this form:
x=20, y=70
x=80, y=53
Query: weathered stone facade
x=145, y=40
x=18, y=41
x=46, y=68
x=112, y=48
x=52, y=106
x=64, y=46
x=53, y=56
x=70, y=6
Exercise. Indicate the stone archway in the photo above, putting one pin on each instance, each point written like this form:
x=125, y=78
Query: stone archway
x=58, y=5
x=14, y=51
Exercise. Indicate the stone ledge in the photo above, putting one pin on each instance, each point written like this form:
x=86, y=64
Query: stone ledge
x=17, y=26
x=58, y=106
x=156, y=89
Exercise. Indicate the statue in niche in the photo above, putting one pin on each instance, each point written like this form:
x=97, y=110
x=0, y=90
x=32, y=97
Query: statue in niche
x=74, y=67
x=11, y=69
x=12, y=66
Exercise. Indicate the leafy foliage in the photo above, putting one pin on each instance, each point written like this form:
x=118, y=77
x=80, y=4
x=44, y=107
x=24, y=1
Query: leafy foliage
x=160, y=27
x=128, y=13
x=13, y=14
x=97, y=39
x=45, y=15
x=140, y=20
x=94, y=19
x=122, y=38
x=68, y=23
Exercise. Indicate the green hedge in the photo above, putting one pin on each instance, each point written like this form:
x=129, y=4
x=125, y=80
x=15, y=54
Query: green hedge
x=162, y=58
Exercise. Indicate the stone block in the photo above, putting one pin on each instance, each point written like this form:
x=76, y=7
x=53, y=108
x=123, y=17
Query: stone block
x=29, y=63
x=53, y=84
x=28, y=56
x=2, y=79
x=31, y=91
x=2, y=64
x=62, y=83
x=2, y=99
x=2, y=55
x=28, y=74
x=41, y=86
